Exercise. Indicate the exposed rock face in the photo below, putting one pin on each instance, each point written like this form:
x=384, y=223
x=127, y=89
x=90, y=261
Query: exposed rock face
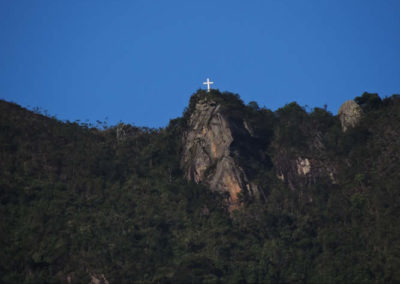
x=206, y=151
x=98, y=279
x=349, y=114
x=298, y=171
x=303, y=166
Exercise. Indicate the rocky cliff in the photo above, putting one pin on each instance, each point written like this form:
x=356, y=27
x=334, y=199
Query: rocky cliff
x=208, y=150
x=349, y=114
x=233, y=148
x=299, y=172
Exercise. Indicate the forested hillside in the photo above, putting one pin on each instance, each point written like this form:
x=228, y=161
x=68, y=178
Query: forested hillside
x=81, y=203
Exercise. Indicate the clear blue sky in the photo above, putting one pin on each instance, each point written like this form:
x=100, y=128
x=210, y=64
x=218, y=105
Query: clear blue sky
x=139, y=61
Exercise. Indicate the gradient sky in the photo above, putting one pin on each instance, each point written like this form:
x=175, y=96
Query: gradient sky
x=139, y=61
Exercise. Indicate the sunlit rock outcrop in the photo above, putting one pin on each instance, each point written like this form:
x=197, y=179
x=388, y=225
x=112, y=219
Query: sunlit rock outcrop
x=207, y=154
x=349, y=114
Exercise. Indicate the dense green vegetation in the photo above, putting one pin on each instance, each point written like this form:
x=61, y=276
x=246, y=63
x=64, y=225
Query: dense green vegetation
x=78, y=201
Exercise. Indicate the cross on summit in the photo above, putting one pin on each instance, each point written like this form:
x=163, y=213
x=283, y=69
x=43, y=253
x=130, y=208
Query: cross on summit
x=208, y=83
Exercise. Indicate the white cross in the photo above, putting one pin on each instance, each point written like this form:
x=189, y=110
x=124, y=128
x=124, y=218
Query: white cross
x=208, y=83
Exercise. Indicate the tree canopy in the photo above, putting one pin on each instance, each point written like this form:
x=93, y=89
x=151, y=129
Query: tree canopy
x=79, y=202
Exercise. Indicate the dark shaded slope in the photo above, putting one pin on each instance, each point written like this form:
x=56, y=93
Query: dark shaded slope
x=78, y=202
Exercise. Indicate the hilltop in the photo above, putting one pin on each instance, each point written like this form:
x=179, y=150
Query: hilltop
x=228, y=192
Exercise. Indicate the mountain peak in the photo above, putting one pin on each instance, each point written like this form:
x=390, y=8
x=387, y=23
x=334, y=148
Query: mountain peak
x=207, y=152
